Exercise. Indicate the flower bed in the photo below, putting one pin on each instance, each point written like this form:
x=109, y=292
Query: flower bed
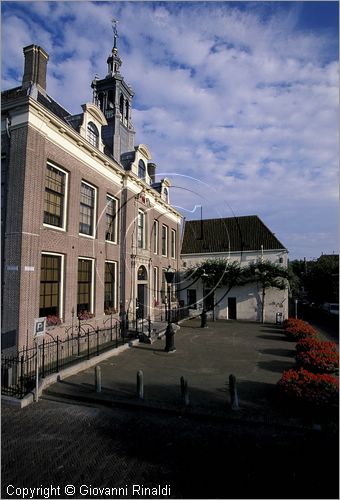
x=303, y=386
x=300, y=331
x=292, y=322
x=318, y=360
x=312, y=344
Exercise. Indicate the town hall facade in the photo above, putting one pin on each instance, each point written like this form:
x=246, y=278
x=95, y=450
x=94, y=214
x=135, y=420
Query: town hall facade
x=87, y=227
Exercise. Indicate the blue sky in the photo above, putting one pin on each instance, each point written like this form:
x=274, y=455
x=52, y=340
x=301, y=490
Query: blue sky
x=237, y=101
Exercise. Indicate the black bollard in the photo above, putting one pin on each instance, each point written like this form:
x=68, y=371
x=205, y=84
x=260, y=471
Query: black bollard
x=233, y=393
x=204, y=319
x=98, y=379
x=185, y=392
x=140, y=384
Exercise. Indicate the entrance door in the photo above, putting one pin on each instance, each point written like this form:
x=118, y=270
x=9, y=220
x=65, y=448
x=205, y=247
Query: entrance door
x=141, y=301
x=232, y=308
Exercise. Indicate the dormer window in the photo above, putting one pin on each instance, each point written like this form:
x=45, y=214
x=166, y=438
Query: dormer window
x=92, y=134
x=141, y=170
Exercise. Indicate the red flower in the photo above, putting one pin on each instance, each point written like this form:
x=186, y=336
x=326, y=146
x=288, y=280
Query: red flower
x=301, y=385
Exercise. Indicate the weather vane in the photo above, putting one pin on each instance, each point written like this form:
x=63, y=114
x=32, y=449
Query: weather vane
x=114, y=23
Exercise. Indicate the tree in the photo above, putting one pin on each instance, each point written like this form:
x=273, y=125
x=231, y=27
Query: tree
x=216, y=273
x=267, y=275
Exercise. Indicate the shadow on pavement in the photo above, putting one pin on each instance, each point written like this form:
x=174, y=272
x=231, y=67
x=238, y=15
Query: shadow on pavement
x=275, y=365
x=279, y=352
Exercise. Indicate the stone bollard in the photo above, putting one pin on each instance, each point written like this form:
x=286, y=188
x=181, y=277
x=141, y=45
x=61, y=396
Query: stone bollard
x=98, y=379
x=233, y=393
x=140, y=384
x=185, y=392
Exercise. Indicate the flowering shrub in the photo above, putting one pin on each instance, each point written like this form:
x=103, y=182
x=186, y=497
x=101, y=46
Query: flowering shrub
x=320, y=361
x=52, y=320
x=85, y=315
x=292, y=322
x=300, y=331
x=312, y=344
x=301, y=385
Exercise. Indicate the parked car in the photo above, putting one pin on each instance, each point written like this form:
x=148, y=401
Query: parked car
x=332, y=308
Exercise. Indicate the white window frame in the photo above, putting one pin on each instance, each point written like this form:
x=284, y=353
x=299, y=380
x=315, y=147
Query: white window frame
x=116, y=282
x=92, y=134
x=92, y=282
x=93, y=235
x=155, y=283
x=115, y=241
x=166, y=240
x=63, y=227
x=144, y=229
x=173, y=244
x=155, y=239
x=61, y=292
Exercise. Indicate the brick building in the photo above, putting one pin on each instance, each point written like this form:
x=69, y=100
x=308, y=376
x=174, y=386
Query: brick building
x=87, y=227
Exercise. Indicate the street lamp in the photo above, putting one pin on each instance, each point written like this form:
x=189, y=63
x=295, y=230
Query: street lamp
x=169, y=275
x=204, y=312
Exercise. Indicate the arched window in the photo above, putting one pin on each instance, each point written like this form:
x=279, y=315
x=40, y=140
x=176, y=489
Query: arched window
x=127, y=110
x=92, y=134
x=142, y=274
x=121, y=105
x=141, y=169
x=110, y=99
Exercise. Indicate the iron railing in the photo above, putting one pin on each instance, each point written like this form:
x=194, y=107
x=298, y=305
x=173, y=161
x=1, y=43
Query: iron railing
x=18, y=371
x=81, y=341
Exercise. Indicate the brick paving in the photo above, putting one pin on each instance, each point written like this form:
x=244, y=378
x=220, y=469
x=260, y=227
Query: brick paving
x=71, y=438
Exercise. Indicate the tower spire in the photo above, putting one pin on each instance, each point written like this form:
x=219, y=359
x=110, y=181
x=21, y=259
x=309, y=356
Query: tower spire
x=114, y=62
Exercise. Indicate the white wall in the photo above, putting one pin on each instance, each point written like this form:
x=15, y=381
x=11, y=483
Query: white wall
x=248, y=297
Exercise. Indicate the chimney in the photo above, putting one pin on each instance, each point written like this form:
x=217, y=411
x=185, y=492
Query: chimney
x=152, y=172
x=35, y=66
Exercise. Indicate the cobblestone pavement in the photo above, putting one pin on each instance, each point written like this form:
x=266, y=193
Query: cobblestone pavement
x=55, y=444
x=74, y=436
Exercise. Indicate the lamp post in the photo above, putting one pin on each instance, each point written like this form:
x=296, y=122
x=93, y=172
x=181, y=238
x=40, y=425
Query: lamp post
x=204, y=312
x=169, y=333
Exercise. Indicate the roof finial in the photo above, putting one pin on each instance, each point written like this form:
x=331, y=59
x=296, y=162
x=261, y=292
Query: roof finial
x=115, y=32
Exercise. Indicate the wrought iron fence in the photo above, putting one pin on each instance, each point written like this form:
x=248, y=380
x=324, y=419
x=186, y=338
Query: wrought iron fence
x=18, y=371
x=82, y=342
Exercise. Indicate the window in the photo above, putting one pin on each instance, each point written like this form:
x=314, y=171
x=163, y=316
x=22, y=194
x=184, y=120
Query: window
x=121, y=106
x=164, y=290
x=173, y=244
x=51, y=285
x=141, y=229
x=87, y=204
x=155, y=237
x=55, y=193
x=85, y=286
x=164, y=240
x=110, y=287
x=111, y=219
x=141, y=169
x=92, y=134
x=155, y=286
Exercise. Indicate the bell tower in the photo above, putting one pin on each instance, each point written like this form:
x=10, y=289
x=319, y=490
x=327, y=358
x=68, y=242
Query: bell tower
x=114, y=97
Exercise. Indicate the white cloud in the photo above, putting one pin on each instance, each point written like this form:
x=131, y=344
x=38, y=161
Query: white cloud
x=240, y=98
